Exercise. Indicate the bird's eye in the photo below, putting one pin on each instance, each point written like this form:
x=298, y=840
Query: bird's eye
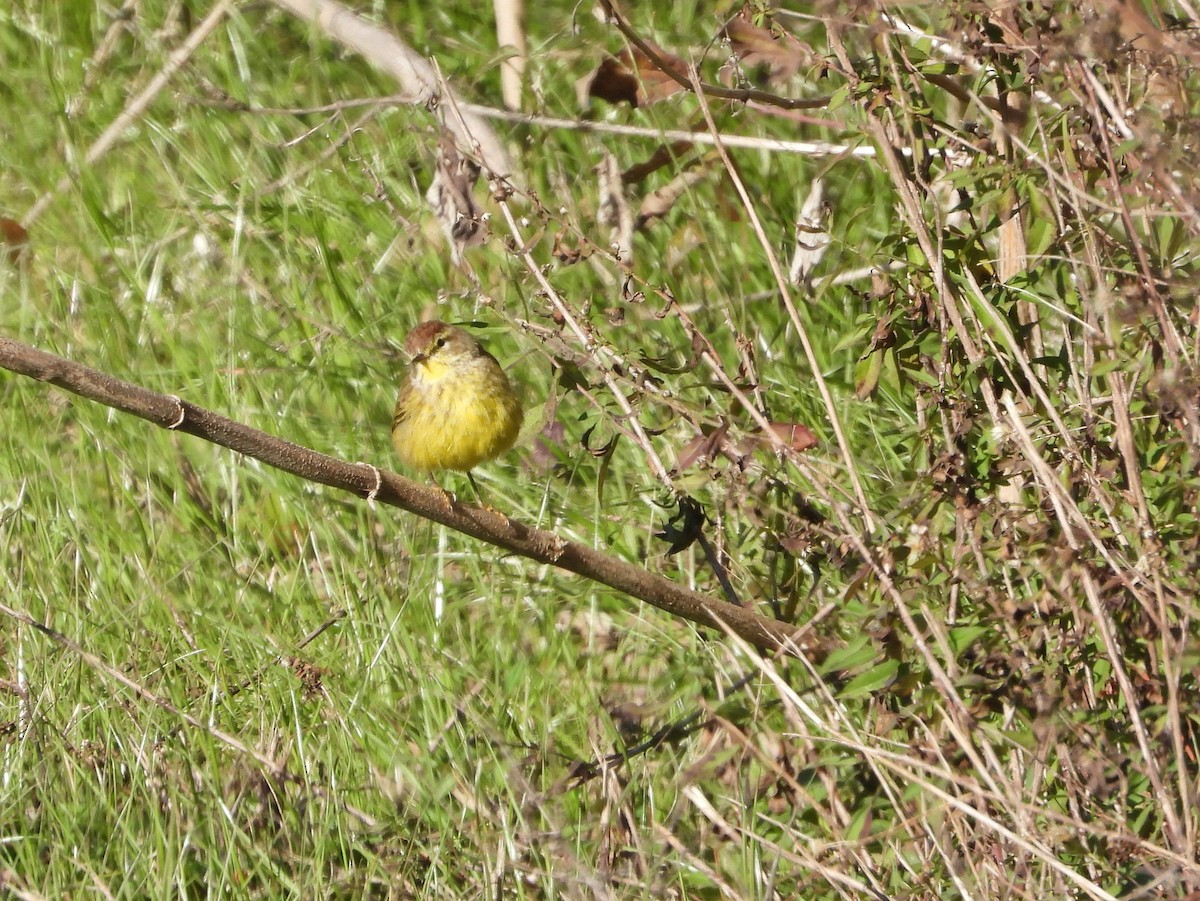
x=441, y=342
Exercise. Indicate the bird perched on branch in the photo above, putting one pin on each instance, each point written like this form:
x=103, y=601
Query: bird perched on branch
x=456, y=407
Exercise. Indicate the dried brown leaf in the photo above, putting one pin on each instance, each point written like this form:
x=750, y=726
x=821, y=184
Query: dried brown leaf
x=613, y=209
x=14, y=237
x=633, y=77
x=702, y=448
x=664, y=155
x=566, y=253
x=796, y=436
x=450, y=196
x=780, y=53
x=1013, y=250
x=658, y=203
x=812, y=233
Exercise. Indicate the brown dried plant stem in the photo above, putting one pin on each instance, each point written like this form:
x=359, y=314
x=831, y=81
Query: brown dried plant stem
x=368, y=482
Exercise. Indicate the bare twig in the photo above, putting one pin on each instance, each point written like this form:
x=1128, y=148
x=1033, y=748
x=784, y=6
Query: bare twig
x=595, y=351
x=389, y=488
x=414, y=73
x=748, y=142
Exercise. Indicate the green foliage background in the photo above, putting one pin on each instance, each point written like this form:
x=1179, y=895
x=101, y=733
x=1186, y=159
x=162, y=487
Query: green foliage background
x=999, y=697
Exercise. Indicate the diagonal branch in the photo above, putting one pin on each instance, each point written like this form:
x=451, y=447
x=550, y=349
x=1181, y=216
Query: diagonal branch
x=368, y=482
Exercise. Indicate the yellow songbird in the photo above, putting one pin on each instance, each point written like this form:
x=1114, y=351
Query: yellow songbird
x=456, y=407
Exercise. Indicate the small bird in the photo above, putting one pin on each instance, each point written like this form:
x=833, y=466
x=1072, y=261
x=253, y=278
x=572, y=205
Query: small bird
x=456, y=407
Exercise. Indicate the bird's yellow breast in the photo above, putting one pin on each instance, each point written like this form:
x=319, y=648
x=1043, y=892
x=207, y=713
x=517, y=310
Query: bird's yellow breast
x=453, y=416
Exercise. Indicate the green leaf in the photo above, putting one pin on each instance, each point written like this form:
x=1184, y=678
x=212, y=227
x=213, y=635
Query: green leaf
x=838, y=99
x=858, y=823
x=962, y=637
x=874, y=679
x=860, y=651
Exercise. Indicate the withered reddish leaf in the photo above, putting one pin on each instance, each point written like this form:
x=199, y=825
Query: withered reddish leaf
x=13, y=236
x=782, y=55
x=633, y=77
x=611, y=81
x=795, y=436
x=798, y=437
x=884, y=335
x=795, y=544
x=880, y=286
